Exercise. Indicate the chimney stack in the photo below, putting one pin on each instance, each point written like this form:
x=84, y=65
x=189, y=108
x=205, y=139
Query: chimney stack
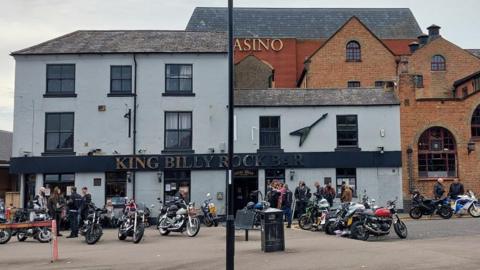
x=433, y=31
x=413, y=46
x=422, y=39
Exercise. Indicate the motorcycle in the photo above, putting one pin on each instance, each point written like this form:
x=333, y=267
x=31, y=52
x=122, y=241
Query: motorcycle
x=209, y=212
x=132, y=223
x=42, y=234
x=379, y=223
x=177, y=216
x=92, y=229
x=5, y=234
x=422, y=206
x=316, y=215
x=343, y=218
x=256, y=208
x=466, y=204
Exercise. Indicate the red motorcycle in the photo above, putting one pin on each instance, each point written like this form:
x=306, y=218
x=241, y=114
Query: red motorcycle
x=379, y=223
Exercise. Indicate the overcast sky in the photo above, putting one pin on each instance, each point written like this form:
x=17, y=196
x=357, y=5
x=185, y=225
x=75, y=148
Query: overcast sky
x=24, y=23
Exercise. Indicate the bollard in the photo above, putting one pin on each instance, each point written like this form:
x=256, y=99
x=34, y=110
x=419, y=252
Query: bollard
x=54, y=241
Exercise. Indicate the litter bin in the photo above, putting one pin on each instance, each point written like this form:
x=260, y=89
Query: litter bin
x=273, y=237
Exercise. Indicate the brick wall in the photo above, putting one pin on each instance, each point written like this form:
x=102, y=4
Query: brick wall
x=439, y=84
x=416, y=116
x=329, y=69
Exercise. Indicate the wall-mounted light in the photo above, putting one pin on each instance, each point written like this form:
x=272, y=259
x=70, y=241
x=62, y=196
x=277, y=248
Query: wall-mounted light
x=159, y=176
x=292, y=175
x=382, y=132
x=129, y=176
x=381, y=149
x=470, y=147
x=211, y=150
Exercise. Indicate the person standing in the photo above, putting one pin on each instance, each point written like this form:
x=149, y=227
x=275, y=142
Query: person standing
x=438, y=189
x=86, y=202
x=347, y=194
x=74, y=205
x=342, y=191
x=55, y=207
x=456, y=189
x=302, y=195
x=287, y=198
x=318, y=191
x=329, y=193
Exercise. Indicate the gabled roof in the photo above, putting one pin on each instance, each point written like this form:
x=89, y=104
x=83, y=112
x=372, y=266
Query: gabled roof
x=131, y=41
x=307, y=23
x=466, y=79
x=5, y=145
x=314, y=97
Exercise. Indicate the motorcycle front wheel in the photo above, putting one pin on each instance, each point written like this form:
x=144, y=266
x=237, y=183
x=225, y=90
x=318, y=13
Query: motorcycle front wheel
x=162, y=231
x=5, y=236
x=305, y=222
x=121, y=236
x=93, y=234
x=415, y=213
x=445, y=212
x=44, y=235
x=138, y=234
x=193, y=227
x=474, y=210
x=207, y=221
x=358, y=231
x=400, y=229
x=21, y=236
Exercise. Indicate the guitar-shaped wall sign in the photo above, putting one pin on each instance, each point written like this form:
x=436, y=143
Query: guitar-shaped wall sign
x=303, y=132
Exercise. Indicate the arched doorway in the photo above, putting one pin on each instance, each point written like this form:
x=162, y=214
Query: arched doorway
x=437, y=154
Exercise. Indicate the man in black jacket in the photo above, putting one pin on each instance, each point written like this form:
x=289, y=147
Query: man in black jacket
x=74, y=205
x=438, y=189
x=86, y=201
x=302, y=195
x=456, y=189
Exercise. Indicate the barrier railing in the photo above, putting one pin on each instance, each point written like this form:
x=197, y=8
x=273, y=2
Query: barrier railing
x=27, y=225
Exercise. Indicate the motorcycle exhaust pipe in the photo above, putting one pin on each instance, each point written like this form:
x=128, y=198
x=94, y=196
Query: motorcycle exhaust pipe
x=375, y=231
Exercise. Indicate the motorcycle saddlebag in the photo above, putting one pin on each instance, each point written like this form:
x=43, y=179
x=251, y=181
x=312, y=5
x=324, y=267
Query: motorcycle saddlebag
x=382, y=212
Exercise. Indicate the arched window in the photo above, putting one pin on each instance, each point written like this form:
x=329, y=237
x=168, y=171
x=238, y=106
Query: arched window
x=437, y=154
x=476, y=123
x=354, y=54
x=438, y=63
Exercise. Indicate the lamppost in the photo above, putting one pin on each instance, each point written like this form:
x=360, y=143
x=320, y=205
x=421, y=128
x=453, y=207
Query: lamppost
x=230, y=248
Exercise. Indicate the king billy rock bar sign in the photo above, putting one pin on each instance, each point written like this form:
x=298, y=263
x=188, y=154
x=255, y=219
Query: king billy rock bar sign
x=206, y=161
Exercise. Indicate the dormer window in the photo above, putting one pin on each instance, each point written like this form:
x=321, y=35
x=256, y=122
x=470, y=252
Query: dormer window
x=353, y=53
x=438, y=63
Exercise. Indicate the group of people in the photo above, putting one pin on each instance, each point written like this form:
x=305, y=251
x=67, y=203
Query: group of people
x=456, y=189
x=75, y=207
x=279, y=196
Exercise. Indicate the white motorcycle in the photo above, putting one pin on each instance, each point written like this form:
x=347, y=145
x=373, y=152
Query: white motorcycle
x=467, y=203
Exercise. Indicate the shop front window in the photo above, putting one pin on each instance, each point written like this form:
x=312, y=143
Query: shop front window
x=115, y=185
x=62, y=181
x=437, y=154
x=176, y=183
x=272, y=175
x=347, y=176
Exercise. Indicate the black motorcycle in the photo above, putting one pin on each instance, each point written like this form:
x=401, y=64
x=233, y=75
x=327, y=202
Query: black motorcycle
x=177, y=216
x=41, y=234
x=378, y=223
x=422, y=206
x=132, y=223
x=92, y=229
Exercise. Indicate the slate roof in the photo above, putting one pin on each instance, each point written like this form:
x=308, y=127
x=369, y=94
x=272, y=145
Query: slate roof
x=314, y=97
x=306, y=23
x=131, y=41
x=475, y=52
x=5, y=145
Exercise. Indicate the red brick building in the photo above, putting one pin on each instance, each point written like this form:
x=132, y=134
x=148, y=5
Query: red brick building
x=437, y=82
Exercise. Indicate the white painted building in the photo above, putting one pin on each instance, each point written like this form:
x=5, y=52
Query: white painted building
x=76, y=122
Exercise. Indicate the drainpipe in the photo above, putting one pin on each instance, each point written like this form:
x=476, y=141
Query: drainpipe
x=134, y=119
x=411, y=185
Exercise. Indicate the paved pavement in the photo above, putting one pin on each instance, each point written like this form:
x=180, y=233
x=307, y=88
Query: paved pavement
x=432, y=244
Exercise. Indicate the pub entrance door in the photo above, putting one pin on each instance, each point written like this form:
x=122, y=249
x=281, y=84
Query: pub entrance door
x=245, y=183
